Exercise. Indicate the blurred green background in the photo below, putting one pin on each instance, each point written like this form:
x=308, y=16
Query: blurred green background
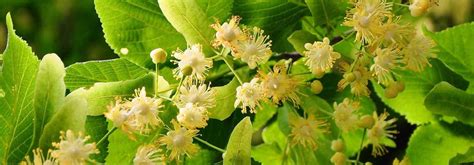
x=71, y=28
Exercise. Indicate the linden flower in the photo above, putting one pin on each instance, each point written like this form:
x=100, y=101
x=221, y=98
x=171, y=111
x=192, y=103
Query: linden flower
x=193, y=58
x=228, y=33
x=148, y=155
x=382, y=129
x=279, y=86
x=201, y=96
x=179, y=141
x=39, y=159
x=344, y=114
x=249, y=96
x=320, y=56
x=394, y=33
x=254, y=50
x=192, y=116
x=417, y=52
x=419, y=7
x=73, y=149
x=120, y=116
x=366, y=18
x=306, y=131
x=384, y=62
x=145, y=111
x=358, y=79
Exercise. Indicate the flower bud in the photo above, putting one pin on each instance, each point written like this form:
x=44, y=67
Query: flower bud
x=316, y=87
x=337, y=145
x=391, y=91
x=366, y=121
x=338, y=158
x=187, y=70
x=158, y=55
x=350, y=77
x=319, y=73
x=400, y=86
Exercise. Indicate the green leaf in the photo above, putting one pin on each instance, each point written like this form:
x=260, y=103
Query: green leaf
x=96, y=128
x=327, y=11
x=101, y=95
x=225, y=98
x=436, y=144
x=263, y=115
x=87, y=73
x=444, y=99
x=299, y=38
x=409, y=103
x=276, y=17
x=49, y=91
x=238, y=147
x=203, y=157
x=138, y=26
x=16, y=108
x=72, y=116
x=267, y=154
x=193, y=19
x=457, y=51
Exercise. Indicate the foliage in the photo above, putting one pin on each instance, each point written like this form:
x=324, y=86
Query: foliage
x=246, y=82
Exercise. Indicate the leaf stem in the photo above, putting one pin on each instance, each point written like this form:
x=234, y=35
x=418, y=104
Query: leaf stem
x=232, y=69
x=361, y=144
x=209, y=144
x=107, y=135
x=157, y=72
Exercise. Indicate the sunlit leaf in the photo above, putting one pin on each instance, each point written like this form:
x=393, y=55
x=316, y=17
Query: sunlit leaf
x=238, y=148
x=16, y=108
x=444, y=99
x=87, y=73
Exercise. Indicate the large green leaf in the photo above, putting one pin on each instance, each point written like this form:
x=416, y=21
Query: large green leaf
x=16, y=108
x=96, y=128
x=264, y=114
x=457, y=51
x=49, y=91
x=138, y=26
x=409, y=103
x=277, y=17
x=327, y=11
x=87, y=73
x=267, y=154
x=238, y=147
x=102, y=94
x=225, y=98
x=71, y=116
x=193, y=18
x=203, y=157
x=436, y=144
x=447, y=100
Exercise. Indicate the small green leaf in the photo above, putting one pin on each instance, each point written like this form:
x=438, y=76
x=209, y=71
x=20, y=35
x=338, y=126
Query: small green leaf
x=49, y=91
x=263, y=115
x=72, y=116
x=436, y=144
x=327, y=11
x=457, y=51
x=299, y=38
x=267, y=154
x=239, y=145
x=203, y=157
x=225, y=98
x=409, y=103
x=16, y=107
x=276, y=17
x=137, y=26
x=444, y=99
x=87, y=73
x=192, y=19
x=101, y=95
